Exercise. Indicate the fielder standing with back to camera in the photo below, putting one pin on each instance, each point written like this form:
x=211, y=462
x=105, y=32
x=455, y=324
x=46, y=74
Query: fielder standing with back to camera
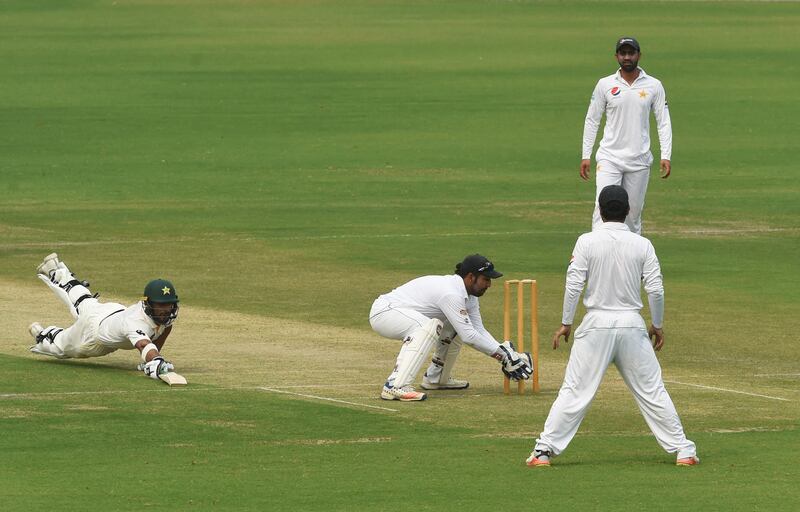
x=627, y=97
x=613, y=263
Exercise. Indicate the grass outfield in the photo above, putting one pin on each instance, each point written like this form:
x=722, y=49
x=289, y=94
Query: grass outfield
x=285, y=162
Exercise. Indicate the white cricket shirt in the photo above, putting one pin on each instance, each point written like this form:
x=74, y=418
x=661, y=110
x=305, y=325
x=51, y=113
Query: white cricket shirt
x=626, y=136
x=446, y=298
x=124, y=328
x=613, y=262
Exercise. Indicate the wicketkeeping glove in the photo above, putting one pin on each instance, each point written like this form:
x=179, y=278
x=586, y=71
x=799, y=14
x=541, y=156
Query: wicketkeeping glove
x=516, y=365
x=156, y=367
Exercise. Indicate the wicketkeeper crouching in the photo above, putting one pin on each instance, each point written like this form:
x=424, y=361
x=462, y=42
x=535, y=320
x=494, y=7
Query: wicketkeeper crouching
x=429, y=312
x=101, y=328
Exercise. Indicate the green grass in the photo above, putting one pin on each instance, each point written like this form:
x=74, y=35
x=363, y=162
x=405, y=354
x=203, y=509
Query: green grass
x=293, y=160
x=207, y=449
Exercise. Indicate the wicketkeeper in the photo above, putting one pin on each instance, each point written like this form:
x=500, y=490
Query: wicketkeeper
x=429, y=312
x=104, y=327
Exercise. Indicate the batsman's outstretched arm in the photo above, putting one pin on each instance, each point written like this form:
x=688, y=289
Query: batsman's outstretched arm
x=159, y=342
x=152, y=363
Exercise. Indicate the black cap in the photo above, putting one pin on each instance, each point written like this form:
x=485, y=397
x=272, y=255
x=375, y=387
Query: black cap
x=613, y=200
x=477, y=264
x=627, y=41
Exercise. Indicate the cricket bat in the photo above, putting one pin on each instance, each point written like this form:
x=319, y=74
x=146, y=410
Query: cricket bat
x=173, y=379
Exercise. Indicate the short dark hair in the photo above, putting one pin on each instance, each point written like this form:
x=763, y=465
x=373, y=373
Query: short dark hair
x=614, y=212
x=613, y=203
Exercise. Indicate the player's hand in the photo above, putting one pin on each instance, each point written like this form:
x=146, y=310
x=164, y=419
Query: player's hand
x=516, y=365
x=156, y=367
x=666, y=168
x=657, y=337
x=564, y=331
x=586, y=167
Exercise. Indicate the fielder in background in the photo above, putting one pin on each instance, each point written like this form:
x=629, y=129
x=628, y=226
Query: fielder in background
x=613, y=262
x=627, y=97
x=101, y=328
x=430, y=311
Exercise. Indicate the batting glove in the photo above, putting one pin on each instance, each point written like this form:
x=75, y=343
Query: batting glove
x=156, y=367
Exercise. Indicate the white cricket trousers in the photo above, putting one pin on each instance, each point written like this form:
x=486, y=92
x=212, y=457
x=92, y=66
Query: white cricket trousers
x=398, y=323
x=633, y=179
x=630, y=350
x=80, y=340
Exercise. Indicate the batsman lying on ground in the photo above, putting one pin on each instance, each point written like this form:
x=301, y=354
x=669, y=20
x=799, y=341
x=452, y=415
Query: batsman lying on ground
x=430, y=311
x=101, y=328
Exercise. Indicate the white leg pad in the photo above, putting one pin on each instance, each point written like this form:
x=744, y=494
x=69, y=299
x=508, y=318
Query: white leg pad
x=449, y=359
x=415, y=350
x=61, y=294
x=49, y=347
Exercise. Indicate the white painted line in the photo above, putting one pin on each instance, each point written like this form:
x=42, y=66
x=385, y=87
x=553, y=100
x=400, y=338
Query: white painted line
x=727, y=390
x=273, y=390
x=301, y=386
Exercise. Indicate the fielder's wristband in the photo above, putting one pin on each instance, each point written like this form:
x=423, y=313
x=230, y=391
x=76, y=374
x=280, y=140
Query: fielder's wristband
x=147, y=349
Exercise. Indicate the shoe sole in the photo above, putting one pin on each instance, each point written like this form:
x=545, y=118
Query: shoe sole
x=437, y=386
x=687, y=462
x=35, y=329
x=392, y=397
x=50, y=257
x=538, y=464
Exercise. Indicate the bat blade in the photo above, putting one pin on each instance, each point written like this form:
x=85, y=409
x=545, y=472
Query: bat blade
x=173, y=379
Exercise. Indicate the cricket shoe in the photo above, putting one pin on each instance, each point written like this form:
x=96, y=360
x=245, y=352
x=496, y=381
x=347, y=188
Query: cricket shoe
x=539, y=458
x=404, y=394
x=36, y=331
x=451, y=384
x=688, y=461
x=49, y=265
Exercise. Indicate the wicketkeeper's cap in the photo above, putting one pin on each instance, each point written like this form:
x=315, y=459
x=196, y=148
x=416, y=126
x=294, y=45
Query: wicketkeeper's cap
x=627, y=41
x=477, y=264
x=613, y=199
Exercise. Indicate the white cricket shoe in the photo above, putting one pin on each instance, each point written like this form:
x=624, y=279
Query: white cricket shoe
x=49, y=265
x=451, y=384
x=35, y=329
x=404, y=394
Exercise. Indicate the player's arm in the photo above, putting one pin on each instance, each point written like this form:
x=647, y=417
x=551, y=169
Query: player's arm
x=159, y=342
x=654, y=287
x=575, y=281
x=153, y=364
x=456, y=313
x=664, y=125
x=597, y=105
x=468, y=324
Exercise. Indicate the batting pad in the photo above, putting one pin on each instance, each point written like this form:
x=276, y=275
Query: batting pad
x=60, y=293
x=415, y=351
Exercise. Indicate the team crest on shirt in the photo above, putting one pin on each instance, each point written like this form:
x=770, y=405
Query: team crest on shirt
x=615, y=91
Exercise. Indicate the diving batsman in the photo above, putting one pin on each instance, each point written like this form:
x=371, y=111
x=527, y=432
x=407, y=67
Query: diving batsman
x=104, y=327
